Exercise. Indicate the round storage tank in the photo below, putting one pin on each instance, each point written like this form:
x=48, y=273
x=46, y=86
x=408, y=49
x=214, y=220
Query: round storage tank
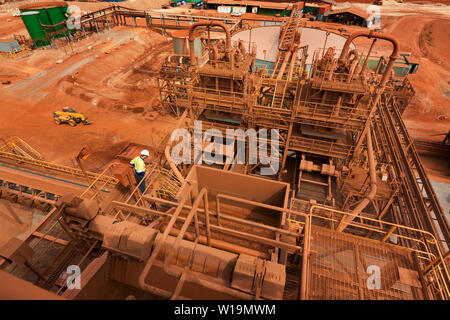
x=266, y=38
x=181, y=43
x=35, y=15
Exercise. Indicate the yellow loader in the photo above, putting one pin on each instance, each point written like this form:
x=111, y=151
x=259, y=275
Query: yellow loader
x=70, y=116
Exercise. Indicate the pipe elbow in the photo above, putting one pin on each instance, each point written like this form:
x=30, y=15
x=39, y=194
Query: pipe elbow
x=207, y=24
x=369, y=34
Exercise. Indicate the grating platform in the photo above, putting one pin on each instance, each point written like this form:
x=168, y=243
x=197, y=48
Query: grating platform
x=342, y=267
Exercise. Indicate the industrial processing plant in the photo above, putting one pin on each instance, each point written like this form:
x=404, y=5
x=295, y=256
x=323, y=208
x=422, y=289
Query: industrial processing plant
x=224, y=150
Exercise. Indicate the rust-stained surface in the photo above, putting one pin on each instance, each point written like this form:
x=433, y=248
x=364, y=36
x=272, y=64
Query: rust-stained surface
x=349, y=213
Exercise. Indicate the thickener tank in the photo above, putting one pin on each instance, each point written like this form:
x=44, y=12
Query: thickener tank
x=181, y=43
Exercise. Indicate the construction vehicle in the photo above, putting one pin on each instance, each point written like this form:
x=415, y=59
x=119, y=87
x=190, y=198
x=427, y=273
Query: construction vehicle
x=70, y=116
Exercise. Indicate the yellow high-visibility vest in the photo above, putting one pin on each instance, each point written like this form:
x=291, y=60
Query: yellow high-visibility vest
x=139, y=164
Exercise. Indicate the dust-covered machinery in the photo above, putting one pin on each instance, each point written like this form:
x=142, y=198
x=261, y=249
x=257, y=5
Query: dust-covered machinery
x=130, y=245
x=348, y=195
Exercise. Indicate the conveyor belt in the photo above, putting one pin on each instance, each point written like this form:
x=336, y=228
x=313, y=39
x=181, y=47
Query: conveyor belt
x=36, y=180
x=14, y=160
x=417, y=195
x=434, y=148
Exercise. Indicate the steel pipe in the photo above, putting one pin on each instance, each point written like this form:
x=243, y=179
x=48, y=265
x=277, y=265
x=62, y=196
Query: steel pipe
x=247, y=236
x=371, y=34
x=352, y=69
x=394, y=55
x=262, y=205
x=367, y=57
x=373, y=186
x=352, y=55
x=225, y=216
x=306, y=249
x=186, y=274
x=203, y=194
x=368, y=34
x=222, y=245
x=167, y=151
x=205, y=281
x=149, y=288
x=207, y=24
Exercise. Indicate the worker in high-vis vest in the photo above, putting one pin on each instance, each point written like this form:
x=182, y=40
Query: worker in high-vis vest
x=139, y=168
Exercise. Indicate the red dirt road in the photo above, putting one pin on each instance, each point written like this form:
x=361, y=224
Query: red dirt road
x=107, y=83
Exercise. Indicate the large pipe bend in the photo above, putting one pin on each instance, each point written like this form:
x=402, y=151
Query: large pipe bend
x=207, y=24
x=386, y=74
x=369, y=34
x=352, y=55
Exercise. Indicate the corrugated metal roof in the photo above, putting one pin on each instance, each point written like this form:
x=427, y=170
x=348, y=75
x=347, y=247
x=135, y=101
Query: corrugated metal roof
x=328, y=1
x=41, y=5
x=261, y=4
x=352, y=10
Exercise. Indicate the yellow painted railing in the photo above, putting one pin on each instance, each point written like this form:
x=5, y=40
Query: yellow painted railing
x=56, y=167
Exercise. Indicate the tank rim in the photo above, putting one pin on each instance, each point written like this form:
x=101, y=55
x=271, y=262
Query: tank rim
x=44, y=5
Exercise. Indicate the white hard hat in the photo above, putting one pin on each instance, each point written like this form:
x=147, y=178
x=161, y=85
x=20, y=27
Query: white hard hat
x=145, y=153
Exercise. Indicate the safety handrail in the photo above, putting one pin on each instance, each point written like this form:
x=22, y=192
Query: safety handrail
x=56, y=167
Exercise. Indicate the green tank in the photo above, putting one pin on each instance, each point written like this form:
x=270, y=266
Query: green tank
x=37, y=15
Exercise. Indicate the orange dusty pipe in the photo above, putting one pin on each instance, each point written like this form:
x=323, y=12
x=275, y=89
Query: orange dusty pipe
x=369, y=34
x=373, y=185
x=394, y=55
x=207, y=24
x=372, y=34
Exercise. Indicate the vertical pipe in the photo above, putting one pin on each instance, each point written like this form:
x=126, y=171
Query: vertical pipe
x=286, y=148
x=378, y=35
x=192, y=214
x=144, y=286
x=207, y=24
x=367, y=57
x=325, y=44
x=379, y=90
x=304, y=274
x=373, y=185
x=250, y=38
x=167, y=151
x=208, y=228
x=218, y=211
